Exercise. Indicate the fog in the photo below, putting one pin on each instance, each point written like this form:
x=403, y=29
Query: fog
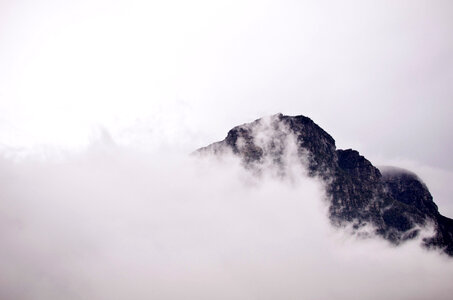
x=376, y=75
x=111, y=222
x=101, y=103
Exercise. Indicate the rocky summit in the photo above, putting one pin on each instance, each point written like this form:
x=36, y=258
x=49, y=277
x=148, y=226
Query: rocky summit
x=395, y=202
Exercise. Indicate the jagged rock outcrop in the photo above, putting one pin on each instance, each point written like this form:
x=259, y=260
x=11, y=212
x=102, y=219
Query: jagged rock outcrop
x=396, y=202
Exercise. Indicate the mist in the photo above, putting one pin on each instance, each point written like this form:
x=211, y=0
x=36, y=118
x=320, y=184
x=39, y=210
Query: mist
x=101, y=103
x=376, y=75
x=111, y=222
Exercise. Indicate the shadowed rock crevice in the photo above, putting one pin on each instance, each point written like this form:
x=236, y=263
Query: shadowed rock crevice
x=395, y=201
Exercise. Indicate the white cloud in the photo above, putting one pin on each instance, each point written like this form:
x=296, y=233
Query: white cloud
x=114, y=223
x=169, y=77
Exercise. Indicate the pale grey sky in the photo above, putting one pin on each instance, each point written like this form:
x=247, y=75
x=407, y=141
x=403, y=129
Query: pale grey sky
x=162, y=78
x=377, y=75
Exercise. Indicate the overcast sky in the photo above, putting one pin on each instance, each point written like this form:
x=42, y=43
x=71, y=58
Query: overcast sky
x=377, y=75
x=162, y=78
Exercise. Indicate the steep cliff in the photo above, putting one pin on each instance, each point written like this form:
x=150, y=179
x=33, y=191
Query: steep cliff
x=395, y=202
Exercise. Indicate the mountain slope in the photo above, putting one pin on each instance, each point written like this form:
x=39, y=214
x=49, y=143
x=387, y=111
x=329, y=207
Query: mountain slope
x=395, y=201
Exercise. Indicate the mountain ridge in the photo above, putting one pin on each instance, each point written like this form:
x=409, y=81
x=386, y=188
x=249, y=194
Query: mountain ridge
x=395, y=201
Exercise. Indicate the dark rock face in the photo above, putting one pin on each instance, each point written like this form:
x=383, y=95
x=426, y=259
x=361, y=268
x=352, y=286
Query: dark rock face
x=396, y=202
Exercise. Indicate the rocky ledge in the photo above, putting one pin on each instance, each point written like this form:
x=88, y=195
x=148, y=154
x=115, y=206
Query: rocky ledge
x=394, y=201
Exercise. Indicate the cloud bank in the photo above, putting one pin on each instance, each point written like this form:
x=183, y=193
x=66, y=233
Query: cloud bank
x=113, y=223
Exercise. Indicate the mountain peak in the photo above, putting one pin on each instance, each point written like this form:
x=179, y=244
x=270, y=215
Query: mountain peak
x=394, y=201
